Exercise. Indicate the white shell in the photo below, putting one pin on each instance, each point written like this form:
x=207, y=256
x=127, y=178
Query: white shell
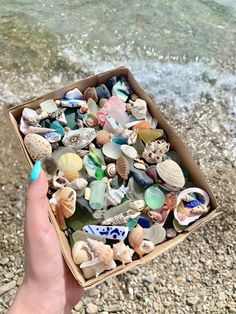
x=111, y=150
x=81, y=252
x=121, y=218
x=137, y=205
x=147, y=247
x=129, y=151
x=78, y=184
x=122, y=253
x=114, y=196
x=139, y=108
x=171, y=173
x=37, y=146
x=140, y=166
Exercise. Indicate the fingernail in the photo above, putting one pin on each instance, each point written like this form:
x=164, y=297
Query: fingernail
x=35, y=171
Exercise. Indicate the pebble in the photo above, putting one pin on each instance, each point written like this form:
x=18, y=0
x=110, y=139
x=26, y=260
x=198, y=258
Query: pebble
x=192, y=301
x=9, y=275
x=78, y=306
x=91, y=308
x=93, y=292
x=149, y=278
x=222, y=296
x=8, y=286
x=4, y=261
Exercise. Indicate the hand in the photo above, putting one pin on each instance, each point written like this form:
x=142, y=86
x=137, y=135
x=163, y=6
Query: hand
x=48, y=286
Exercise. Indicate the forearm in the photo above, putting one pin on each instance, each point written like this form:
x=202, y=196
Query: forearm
x=31, y=301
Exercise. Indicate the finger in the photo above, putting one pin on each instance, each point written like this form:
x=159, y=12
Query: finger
x=36, y=204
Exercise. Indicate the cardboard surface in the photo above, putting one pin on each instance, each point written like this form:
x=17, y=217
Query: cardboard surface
x=177, y=144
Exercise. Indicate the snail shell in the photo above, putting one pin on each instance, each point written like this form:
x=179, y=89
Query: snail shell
x=111, y=170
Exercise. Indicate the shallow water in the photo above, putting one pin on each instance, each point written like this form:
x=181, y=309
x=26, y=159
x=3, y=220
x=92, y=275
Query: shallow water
x=182, y=52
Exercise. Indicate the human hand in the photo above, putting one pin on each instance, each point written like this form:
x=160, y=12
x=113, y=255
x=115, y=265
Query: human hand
x=48, y=286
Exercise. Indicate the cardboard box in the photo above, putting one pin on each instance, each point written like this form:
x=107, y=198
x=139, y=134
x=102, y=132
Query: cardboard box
x=176, y=143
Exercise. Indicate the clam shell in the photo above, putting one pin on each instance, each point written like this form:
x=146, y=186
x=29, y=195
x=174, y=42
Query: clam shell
x=37, y=146
x=81, y=252
x=147, y=247
x=49, y=166
x=70, y=164
x=139, y=166
x=129, y=151
x=171, y=173
x=102, y=137
x=68, y=195
x=122, y=167
x=111, y=170
x=135, y=239
x=111, y=150
x=59, y=182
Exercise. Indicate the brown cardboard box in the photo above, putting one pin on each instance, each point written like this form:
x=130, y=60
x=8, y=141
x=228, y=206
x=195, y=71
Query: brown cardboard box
x=176, y=143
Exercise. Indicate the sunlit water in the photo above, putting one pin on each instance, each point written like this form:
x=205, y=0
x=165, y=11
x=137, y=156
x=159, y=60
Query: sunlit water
x=180, y=51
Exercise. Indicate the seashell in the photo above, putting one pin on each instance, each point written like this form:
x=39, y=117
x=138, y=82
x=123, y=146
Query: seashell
x=156, y=234
x=87, y=193
x=90, y=92
x=49, y=166
x=149, y=135
x=78, y=139
x=74, y=94
x=107, y=232
x=88, y=272
x=122, y=253
x=37, y=146
x=139, y=108
x=111, y=170
x=30, y=116
x=170, y=201
x=135, y=239
x=91, y=120
x=121, y=218
x=129, y=151
x=78, y=184
x=81, y=252
x=102, y=257
x=186, y=213
x=114, y=196
x=70, y=164
x=102, y=137
x=142, y=125
x=61, y=151
x=132, y=137
x=171, y=173
x=66, y=201
x=111, y=150
x=137, y=205
x=122, y=167
x=155, y=151
x=82, y=152
x=59, y=182
x=146, y=247
x=79, y=235
x=139, y=166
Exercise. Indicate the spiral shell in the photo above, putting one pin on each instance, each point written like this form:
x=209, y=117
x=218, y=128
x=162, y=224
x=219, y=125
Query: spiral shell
x=81, y=252
x=135, y=239
x=111, y=170
x=122, y=167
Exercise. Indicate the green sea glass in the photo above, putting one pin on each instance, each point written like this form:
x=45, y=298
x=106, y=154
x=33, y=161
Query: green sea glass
x=97, y=194
x=154, y=197
x=100, y=173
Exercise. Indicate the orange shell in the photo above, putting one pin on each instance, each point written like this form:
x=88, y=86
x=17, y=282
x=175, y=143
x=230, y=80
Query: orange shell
x=142, y=125
x=102, y=137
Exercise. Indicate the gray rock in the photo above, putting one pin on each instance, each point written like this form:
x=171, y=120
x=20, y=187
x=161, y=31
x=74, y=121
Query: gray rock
x=91, y=308
x=78, y=306
x=93, y=292
x=222, y=296
x=149, y=278
x=192, y=301
x=4, y=261
x=8, y=286
x=9, y=275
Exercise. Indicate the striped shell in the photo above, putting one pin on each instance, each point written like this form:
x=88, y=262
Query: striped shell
x=171, y=173
x=122, y=167
x=81, y=252
x=111, y=170
x=70, y=164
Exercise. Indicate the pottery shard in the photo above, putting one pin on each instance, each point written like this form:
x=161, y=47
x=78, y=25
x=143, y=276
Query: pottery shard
x=37, y=146
x=78, y=139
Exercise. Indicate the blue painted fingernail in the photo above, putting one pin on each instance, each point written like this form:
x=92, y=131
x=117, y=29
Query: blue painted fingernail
x=35, y=171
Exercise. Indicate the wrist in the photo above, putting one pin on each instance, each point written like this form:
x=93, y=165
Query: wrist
x=33, y=299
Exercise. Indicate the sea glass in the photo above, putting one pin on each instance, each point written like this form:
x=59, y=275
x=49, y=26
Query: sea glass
x=154, y=197
x=149, y=135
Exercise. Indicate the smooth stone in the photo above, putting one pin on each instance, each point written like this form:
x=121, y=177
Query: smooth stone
x=144, y=222
x=4, y=261
x=111, y=82
x=156, y=234
x=58, y=127
x=37, y=146
x=154, y=197
x=8, y=286
x=91, y=308
x=142, y=179
x=102, y=91
x=108, y=232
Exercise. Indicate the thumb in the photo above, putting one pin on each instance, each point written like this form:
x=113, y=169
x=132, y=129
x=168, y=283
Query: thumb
x=36, y=201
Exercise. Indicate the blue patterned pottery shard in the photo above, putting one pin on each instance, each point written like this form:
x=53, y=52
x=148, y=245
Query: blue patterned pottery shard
x=107, y=232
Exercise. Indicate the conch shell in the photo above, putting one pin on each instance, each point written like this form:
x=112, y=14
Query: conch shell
x=114, y=196
x=135, y=239
x=122, y=253
x=102, y=257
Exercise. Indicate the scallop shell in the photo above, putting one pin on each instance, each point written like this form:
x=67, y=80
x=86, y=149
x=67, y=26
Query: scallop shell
x=49, y=166
x=122, y=253
x=102, y=257
x=129, y=151
x=37, y=146
x=135, y=239
x=81, y=252
x=170, y=172
x=122, y=167
x=66, y=199
x=111, y=150
x=70, y=164
x=61, y=150
x=78, y=184
x=111, y=170
x=147, y=247
x=102, y=137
